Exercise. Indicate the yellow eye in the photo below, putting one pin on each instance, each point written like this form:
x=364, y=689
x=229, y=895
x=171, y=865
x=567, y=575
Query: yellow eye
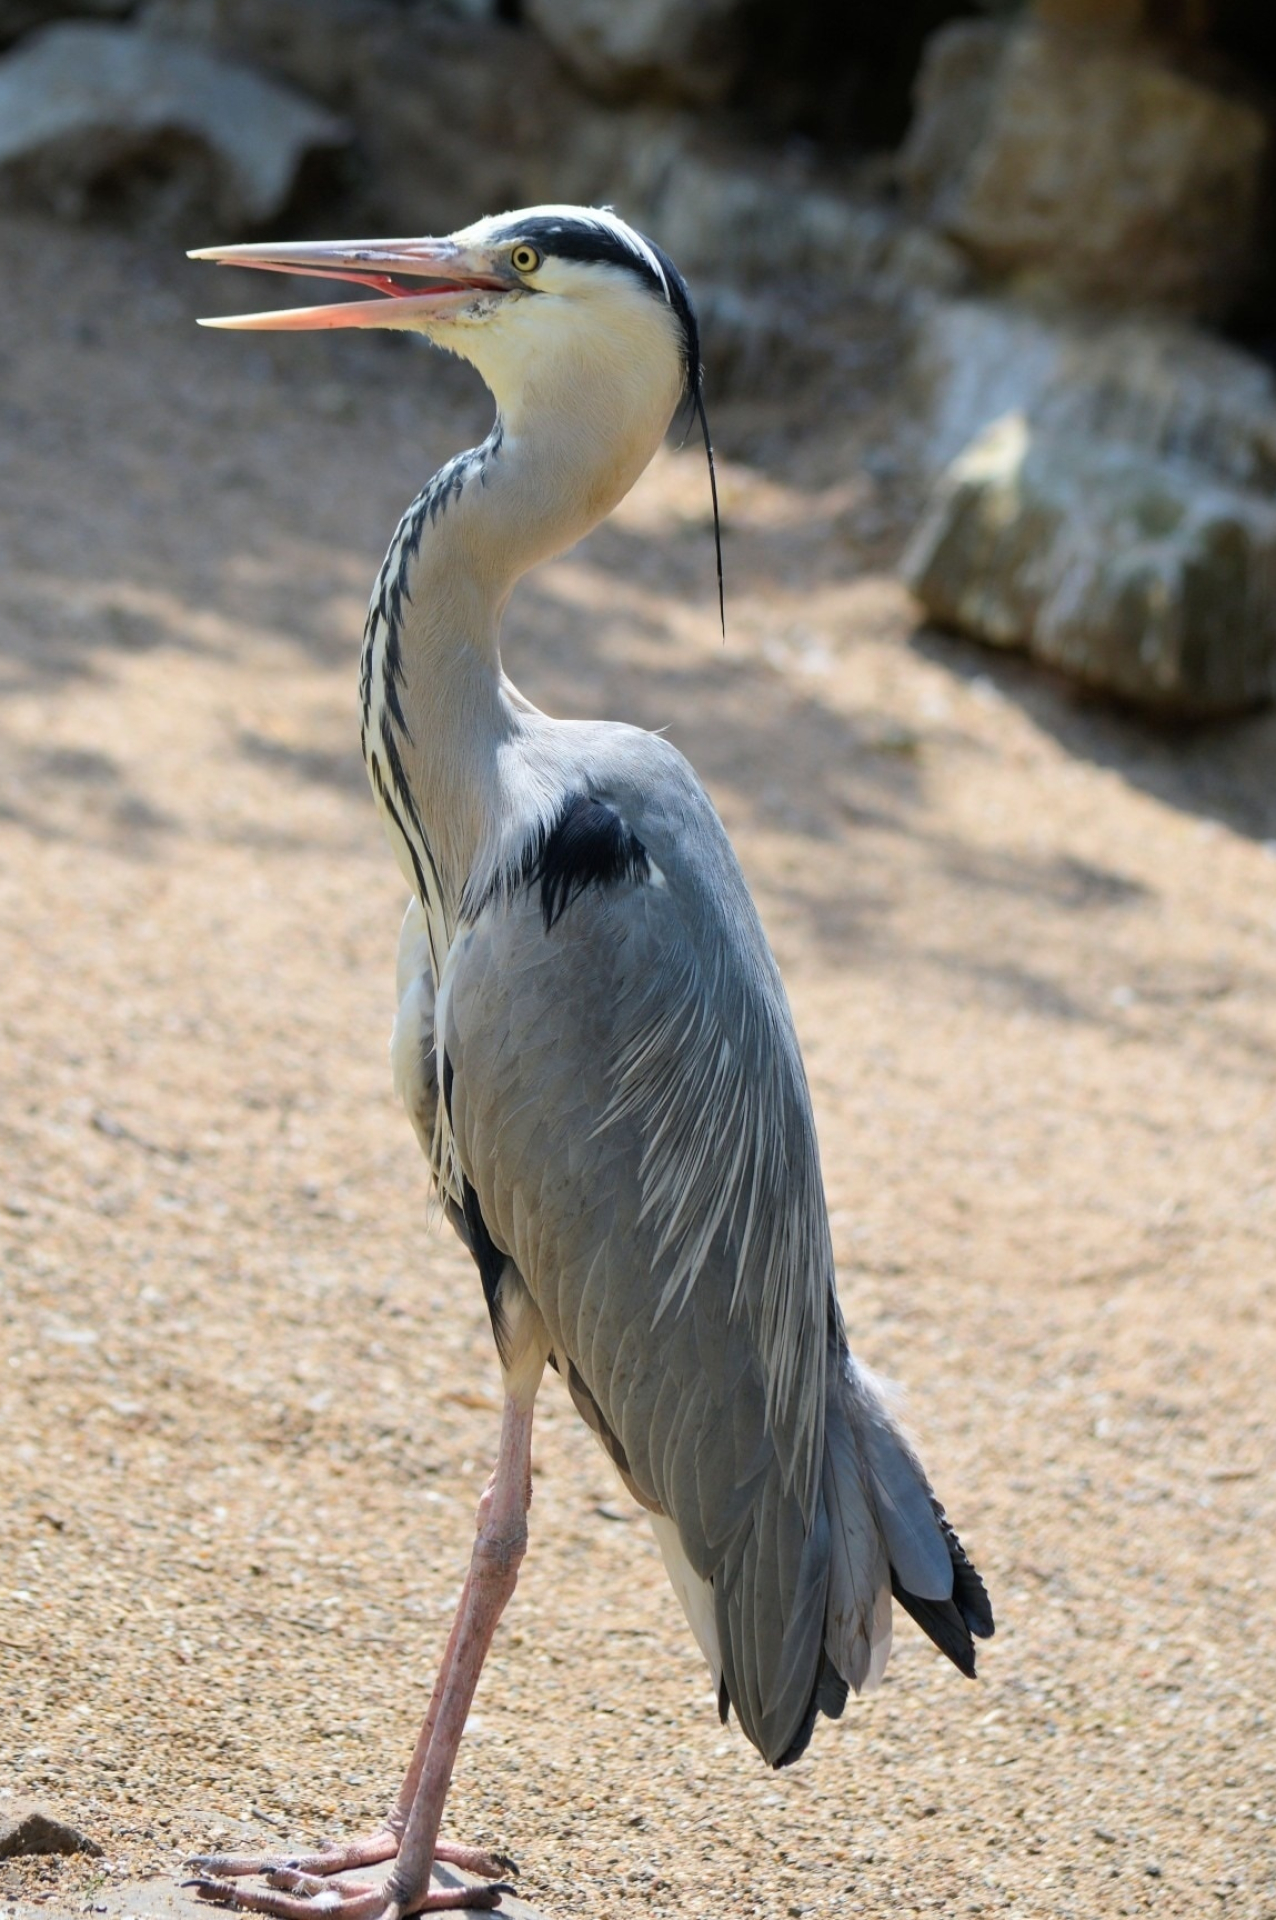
x=525, y=259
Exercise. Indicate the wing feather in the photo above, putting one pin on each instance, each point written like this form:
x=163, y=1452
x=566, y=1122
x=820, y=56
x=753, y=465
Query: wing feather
x=626, y=1100
x=630, y=1107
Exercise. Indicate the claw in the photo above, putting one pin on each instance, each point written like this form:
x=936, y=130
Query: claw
x=490, y=1866
x=219, y=1893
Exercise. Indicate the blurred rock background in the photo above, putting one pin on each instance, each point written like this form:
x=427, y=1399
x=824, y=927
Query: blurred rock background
x=1064, y=210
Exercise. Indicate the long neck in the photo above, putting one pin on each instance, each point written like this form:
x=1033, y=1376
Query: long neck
x=441, y=723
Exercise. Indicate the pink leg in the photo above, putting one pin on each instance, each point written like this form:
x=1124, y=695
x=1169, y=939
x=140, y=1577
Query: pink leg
x=498, y=1554
x=410, y=1835
x=373, y=1849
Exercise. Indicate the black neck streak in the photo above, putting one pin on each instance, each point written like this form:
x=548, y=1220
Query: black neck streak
x=393, y=588
x=382, y=731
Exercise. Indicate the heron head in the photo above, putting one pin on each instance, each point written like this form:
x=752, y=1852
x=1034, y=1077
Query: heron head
x=565, y=311
x=524, y=296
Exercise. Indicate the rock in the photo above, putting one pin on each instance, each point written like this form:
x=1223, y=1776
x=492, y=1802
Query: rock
x=725, y=214
x=458, y=119
x=676, y=50
x=953, y=104
x=1100, y=16
x=98, y=115
x=455, y=113
x=21, y=16
x=1186, y=23
x=26, y=1829
x=752, y=344
x=1155, y=385
x=1117, y=520
x=1089, y=165
x=315, y=45
x=1129, y=571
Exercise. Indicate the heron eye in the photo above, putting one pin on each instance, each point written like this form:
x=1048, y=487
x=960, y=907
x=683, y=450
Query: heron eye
x=525, y=259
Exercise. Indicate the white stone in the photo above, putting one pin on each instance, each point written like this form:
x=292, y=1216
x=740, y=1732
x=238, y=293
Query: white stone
x=1157, y=385
x=1127, y=570
x=82, y=104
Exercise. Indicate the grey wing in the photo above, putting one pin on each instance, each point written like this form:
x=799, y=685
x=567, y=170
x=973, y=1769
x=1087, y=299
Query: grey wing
x=413, y=1055
x=629, y=1108
x=414, y=1062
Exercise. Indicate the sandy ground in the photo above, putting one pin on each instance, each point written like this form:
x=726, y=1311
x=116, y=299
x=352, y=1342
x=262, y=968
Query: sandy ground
x=247, y=1392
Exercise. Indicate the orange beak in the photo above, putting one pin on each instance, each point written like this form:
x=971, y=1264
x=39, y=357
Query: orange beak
x=416, y=280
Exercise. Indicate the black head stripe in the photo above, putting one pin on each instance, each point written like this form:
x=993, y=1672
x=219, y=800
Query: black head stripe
x=600, y=241
x=685, y=314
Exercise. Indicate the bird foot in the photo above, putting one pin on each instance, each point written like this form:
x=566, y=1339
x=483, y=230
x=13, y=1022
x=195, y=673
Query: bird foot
x=301, y=1886
x=305, y=1896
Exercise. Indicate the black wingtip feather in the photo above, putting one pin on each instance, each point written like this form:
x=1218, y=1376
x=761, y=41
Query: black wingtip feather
x=971, y=1599
x=951, y=1623
x=801, y=1740
x=970, y=1595
x=942, y=1623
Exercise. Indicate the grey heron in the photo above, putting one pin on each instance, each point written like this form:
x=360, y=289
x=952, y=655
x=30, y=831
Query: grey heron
x=595, y=1049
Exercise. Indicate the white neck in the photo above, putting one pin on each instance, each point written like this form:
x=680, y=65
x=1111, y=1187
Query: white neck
x=570, y=442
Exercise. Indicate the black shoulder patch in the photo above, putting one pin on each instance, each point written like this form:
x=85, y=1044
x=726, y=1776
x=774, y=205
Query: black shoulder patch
x=588, y=845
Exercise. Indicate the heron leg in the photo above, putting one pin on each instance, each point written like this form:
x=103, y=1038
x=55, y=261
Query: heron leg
x=498, y=1552
x=332, y=1858
x=300, y=1886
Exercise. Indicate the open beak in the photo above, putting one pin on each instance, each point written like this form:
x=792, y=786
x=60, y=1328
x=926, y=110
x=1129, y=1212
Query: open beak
x=415, y=279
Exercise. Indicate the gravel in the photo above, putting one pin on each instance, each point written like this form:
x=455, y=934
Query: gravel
x=247, y=1392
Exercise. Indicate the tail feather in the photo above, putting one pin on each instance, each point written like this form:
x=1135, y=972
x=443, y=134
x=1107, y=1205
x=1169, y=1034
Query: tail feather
x=857, y=1624
x=905, y=1506
x=970, y=1595
x=871, y=1469
x=942, y=1623
x=878, y=1532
